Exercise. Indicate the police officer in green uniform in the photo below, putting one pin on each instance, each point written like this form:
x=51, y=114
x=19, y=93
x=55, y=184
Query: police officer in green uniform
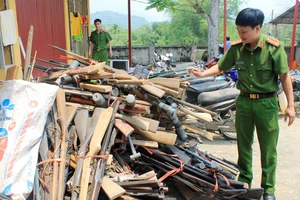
x=98, y=43
x=259, y=60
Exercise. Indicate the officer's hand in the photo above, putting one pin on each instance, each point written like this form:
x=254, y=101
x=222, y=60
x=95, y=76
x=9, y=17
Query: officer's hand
x=105, y=31
x=290, y=113
x=195, y=71
x=110, y=54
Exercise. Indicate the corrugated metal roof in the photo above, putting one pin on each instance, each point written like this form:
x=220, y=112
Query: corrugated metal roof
x=287, y=17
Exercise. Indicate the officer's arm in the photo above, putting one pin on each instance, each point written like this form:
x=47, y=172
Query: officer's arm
x=288, y=90
x=213, y=71
x=110, y=48
x=91, y=49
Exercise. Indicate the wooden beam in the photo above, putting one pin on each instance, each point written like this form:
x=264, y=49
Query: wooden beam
x=97, y=88
x=202, y=133
x=112, y=189
x=153, y=90
x=167, y=82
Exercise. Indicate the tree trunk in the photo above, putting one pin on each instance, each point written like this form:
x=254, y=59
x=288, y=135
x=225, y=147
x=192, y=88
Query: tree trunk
x=213, y=29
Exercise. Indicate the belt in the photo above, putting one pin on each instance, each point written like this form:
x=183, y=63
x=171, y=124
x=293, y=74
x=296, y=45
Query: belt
x=258, y=95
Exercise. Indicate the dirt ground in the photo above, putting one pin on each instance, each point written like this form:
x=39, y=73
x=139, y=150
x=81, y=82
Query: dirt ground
x=288, y=168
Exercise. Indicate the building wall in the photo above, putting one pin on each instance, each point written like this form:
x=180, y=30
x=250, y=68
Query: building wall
x=80, y=47
x=144, y=54
x=47, y=17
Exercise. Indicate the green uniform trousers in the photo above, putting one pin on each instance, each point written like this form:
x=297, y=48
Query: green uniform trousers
x=261, y=114
x=101, y=56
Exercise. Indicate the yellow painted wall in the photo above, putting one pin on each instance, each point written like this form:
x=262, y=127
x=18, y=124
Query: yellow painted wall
x=15, y=47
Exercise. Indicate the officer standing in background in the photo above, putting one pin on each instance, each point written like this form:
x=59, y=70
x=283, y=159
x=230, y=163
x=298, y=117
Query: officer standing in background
x=98, y=43
x=259, y=60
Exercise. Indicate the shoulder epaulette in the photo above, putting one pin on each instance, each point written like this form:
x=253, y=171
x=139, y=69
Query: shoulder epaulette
x=236, y=42
x=273, y=42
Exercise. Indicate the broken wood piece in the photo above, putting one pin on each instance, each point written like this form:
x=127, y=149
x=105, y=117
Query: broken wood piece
x=144, y=143
x=167, y=82
x=130, y=82
x=135, y=109
x=28, y=52
x=109, y=160
x=144, y=125
x=97, y=88
x=153, y=90
x=125, y=128
x=71, y=111
x=153, y=123
x=88, y=70
x=148, y=175
x=62, y=120
x=202, y=133
x=94, y=148
x=185, y=84
x=112, y=189
x=202, y=116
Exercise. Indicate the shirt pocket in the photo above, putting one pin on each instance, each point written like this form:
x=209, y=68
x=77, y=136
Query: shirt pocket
x=264, y=72
x=242, y=72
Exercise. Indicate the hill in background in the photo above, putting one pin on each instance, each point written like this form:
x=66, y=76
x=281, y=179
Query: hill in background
x=110, y=18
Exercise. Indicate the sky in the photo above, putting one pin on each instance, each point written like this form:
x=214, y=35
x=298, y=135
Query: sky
x=138, y=8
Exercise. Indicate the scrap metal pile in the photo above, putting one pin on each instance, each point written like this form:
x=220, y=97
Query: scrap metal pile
x=112, y=135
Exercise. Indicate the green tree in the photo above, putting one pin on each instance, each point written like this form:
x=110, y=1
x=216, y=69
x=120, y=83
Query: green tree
x=209, y=10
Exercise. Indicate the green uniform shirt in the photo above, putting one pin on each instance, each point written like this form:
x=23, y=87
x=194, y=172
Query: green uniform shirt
x=100, y=40
x=258, y=69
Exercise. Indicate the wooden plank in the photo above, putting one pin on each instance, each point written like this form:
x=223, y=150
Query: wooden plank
x=125, y=128
x=144, y=125
x=94, y=148
x=153, y=123
x=153, y=90
x=98, y=88
x=28, y=51
x=168, y=91
x=71, y=111
x=167, y=82
x=202, y=116
x=147, y=175
x=88, y=70
x=13, y=73
x=112, y=76
x=112, y=189
x=202, y=133
x=160, y=136
x=80, y=105
x=140, y=109
x=130, y=82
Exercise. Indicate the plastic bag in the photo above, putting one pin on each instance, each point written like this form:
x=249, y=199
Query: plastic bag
x=24, y=107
